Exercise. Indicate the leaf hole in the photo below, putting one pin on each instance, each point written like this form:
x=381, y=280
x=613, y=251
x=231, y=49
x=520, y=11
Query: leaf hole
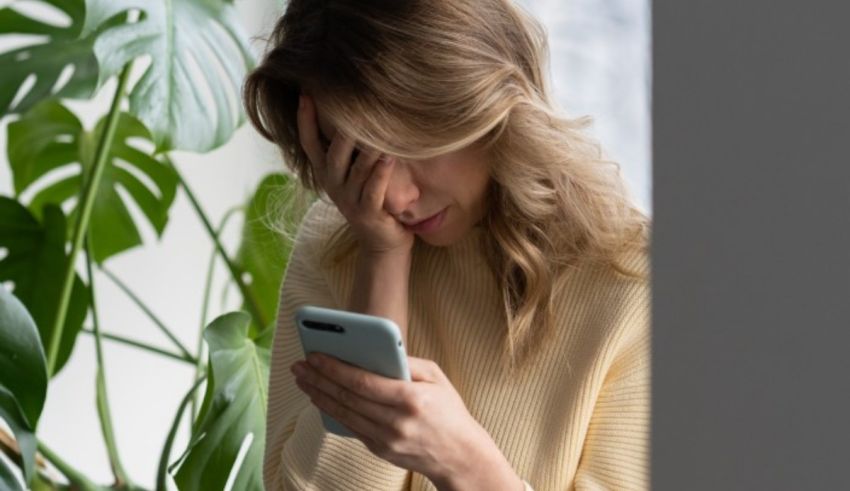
x=140, y=176
x=43, y=12
x=64, y=78
x=141, y=144
x=55, y=178
x=237, y=464
x=23, y=90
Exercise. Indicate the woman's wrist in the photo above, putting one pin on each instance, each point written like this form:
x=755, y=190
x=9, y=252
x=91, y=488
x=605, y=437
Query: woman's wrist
x=381, y=285
x=386, y=253
x=482, y=467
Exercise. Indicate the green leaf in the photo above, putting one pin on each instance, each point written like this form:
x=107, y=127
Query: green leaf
x=189, y=96
x=265, y=337
x=8, y=481
x=45, y=60
x=35, y=263
x=264, y=250
x=197, y=49
x=23, y=376
x=24, y=434
x=50, y=137
x=40, y=483
x=234, y=411
x=169, y=440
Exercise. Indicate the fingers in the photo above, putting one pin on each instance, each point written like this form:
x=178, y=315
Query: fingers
x=424, y=370
x=359, y=173
x=346, y=380
x=372, y=197
x=361, y=183
x=363, y=427
x=338, y=160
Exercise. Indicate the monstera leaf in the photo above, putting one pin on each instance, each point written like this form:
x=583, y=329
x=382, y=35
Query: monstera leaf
x=233, y=413
x=50, y=137
x=35, y=264
x=7, y=478
x=189, y=95
x=264, y=250
x=23, y=381
x=58, y=49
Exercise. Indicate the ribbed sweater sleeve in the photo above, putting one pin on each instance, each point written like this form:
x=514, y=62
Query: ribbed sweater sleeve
x=299, y=453
x=615, y=455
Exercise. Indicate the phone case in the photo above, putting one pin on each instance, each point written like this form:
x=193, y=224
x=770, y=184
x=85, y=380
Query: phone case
x=369, y=342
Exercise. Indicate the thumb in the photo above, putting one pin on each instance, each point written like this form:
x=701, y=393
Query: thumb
x=423, y=370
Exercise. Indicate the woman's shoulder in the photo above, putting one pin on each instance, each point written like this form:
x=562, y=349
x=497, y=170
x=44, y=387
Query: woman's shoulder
x=635, y=260
x=622, y=281
x=618, y=292
x=317, y=228
x=319, y=223
x=629, y=274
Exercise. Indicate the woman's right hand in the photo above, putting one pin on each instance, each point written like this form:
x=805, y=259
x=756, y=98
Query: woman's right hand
x=357, y=189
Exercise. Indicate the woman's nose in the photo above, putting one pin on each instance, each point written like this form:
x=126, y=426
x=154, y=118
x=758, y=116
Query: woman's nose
x=402, y=191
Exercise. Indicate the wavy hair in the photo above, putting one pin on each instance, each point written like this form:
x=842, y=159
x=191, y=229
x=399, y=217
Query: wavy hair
x=416, y=79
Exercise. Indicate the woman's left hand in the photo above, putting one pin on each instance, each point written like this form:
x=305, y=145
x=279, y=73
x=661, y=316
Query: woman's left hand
x=422, y=425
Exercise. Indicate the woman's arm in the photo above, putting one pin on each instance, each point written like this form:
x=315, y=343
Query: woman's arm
x=616, y=450
x=299, y=453
x=380, y=286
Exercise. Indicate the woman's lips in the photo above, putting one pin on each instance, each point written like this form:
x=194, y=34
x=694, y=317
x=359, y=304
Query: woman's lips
x=429, y=224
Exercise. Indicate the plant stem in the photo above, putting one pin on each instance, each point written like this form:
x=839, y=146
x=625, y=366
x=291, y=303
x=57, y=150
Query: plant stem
x=138, y=344
x=103, y=411
x=148, y=312
x=205, y=306
x=89, y=192
x=169, y=441
x=74, y=476
x=235, y=272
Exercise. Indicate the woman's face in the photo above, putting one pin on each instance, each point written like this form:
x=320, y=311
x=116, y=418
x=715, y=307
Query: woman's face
x=450, y=188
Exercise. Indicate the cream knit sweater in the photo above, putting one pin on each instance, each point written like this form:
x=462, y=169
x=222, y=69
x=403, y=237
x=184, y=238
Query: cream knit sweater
x=578, y=420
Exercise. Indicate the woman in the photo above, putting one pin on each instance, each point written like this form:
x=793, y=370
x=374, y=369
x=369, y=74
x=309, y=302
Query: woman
x=458, y=203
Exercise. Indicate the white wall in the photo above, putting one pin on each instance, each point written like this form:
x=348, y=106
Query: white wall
x=600, y=66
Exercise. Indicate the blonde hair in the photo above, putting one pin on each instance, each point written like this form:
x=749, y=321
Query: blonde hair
x=416, y=79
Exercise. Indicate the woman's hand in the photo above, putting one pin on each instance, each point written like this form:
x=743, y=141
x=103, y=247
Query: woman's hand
x=421, y=425
x=356, y=188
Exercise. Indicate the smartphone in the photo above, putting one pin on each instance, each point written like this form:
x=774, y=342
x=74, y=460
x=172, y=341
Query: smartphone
x=369, y=342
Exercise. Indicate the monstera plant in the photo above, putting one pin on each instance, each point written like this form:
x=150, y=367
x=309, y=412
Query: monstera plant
x=193, y=56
